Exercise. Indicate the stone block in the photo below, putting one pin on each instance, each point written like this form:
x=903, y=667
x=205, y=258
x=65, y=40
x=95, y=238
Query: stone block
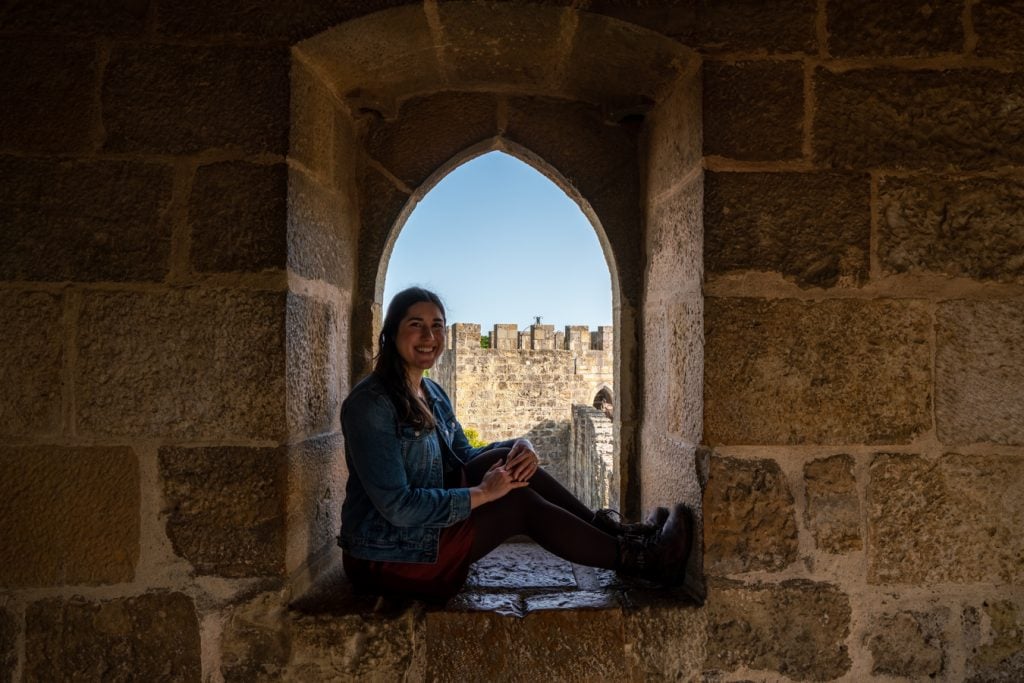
x=840, y=371
x=67, y=17
x=31, y=356
x=238, y=215
x=813, y=228
x=224, y=508
x=955, y=519
x=979, y=372
x=675, y=142
x=355, y=647
x=876, y=28
x=506, y=46
x=68, y=516
x=833, y=506
x=320, y=227
x=749, y=26
x=175, y=99
x=189, y=363
x=316, y=488
x=50, y=92
x=429, y=131
x=961, y=227
x=994, y=638
x=84, y=221
x=9, y=630
x=553, y=645
x=314, y=352
x=910, y=645
x=686, y=370
x=312, y=127
x=675, y=238
x=381, y=204
x=889, y=118
x=665, y=643
x=754, y=111
x=254, y=645
x=998, y=25
x=749, y=521
x=796, y=628
x=152, y=637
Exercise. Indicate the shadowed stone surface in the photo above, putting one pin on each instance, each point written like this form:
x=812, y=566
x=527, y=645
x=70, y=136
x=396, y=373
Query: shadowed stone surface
x=152, y=637
x=994, y=636
x=979, y=370
x=321, y=227
x=881, y=28
x=955, y=519
x=314, y=348
x=79, y=18
x=908, y=644
x=429, y=131
x=68, y=515
x=316, y=487
x=237, y=212
x=917, y=119
x=8, y=644
x=754, y=110
x=833, y=507
x=796, y=628
x=665, y=643
x=520, y=565
x=786, y=371
x=39, y=81
x=312, y=129
x=811, y=227
x=177, y=100
x=380, y=205
x=84, y=220
x=969, y=227
x=999, y=25
x=747, y=25
x=674, y=145
x=31, y=353
x=254, y=642
x=749, y=522
x=224, y=508
x=189, y=363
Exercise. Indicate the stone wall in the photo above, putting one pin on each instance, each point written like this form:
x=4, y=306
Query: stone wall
x=525, y=384
x=593, y=474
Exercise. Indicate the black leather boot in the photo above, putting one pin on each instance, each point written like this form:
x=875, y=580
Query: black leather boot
x=610, y=522
x=661, y=558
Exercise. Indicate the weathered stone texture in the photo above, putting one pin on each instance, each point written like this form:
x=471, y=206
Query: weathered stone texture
x=84, y=220
x=908, y=644
x=312, y=128
x=254, y=645
x=380, y=205
x=429, y=131
x=665, y=643
x=675, y=137
x=674, y=242
x=686, y=369
x=316, y=488
x=979, y=371
x=48, y=89
x=106, y=17
x=8, y=645
x=999, y=25
x=754, y=110
x=551, y=644
x=887, y=118
x=314, y=352
x=876, y=28
x=190, y=364
x=994, y=637
x=833, y=506
x=355, y=647
x=31, y=353
x=68, y=515
x=785, y=371
x=813, y=228
x=966, y=227
x=174, y=99
x=956, y=519
x=320, y=231
x=744, y=25
x=237, y=213
x=152, y=637
x=796, y=628
x=749, y=521
x=225, y=508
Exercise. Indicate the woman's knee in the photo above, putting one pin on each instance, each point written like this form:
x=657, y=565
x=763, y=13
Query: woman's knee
x=478, y=466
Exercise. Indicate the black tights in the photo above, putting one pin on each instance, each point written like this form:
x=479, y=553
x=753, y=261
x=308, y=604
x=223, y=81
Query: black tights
x=545, y=511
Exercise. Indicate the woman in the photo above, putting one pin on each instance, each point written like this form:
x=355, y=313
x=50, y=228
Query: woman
x=422, y=505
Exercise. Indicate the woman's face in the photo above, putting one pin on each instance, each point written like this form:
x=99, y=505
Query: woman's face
x=420, y=338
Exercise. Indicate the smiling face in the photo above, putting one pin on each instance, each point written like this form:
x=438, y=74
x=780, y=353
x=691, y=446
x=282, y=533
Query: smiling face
x=420, y=337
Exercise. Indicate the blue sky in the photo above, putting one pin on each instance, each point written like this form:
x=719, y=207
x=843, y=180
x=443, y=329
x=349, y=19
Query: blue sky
x=501, y=244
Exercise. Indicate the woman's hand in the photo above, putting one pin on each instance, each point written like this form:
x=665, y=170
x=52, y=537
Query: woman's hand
x=496, y=483
x=522, y=460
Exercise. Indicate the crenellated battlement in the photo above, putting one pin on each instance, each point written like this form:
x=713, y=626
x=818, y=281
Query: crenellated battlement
x=508, y=337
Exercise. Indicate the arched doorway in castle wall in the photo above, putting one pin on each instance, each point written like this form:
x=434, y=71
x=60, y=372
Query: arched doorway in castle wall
x=497, y=237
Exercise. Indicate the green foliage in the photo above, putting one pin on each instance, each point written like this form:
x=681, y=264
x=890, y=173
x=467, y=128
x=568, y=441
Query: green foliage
x=474, y=437
x=485, y=341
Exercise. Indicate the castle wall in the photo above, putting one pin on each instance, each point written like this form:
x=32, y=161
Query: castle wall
x=528, y=389
x=593, y=474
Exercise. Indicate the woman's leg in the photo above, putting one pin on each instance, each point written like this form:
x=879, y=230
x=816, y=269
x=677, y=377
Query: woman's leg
x=525, y=511
x=541, y=482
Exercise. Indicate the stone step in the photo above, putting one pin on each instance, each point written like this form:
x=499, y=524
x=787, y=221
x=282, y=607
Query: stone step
x=525, y=615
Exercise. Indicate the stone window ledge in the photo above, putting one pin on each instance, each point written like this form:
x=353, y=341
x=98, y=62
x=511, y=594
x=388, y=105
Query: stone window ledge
x=514, y=580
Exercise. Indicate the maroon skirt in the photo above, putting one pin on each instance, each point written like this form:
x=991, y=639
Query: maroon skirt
x=430, y=581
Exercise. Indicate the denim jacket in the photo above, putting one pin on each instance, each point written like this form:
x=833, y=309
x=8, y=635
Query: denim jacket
x=395, y=501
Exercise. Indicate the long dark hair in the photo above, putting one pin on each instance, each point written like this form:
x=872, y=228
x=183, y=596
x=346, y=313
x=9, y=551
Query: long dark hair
x=390, y=368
